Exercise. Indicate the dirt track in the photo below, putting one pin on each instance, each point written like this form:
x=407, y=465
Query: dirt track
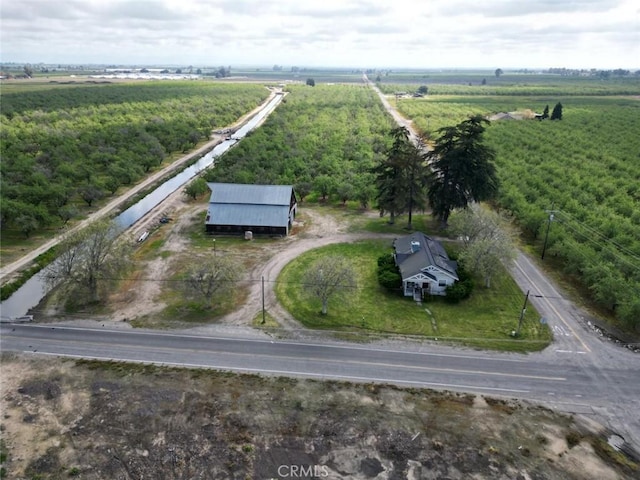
x=8, y=270
x=315, y=230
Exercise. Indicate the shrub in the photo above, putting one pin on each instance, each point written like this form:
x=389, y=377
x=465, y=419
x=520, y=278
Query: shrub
x=573, y=438
x=456, y=292
x=389, y=280
x=462, y=289
x=388, y=273
x=386, y=260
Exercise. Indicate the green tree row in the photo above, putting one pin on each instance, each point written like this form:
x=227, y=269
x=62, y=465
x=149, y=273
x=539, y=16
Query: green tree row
x=56, y=160
x=324, y=140
x=585, y=167
x=527, y=85
x=52, y=97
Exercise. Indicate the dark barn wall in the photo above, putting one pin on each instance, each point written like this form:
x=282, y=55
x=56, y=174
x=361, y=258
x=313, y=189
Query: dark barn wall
x=240, y=229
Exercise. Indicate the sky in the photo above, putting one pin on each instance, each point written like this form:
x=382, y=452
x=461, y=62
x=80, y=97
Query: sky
x=507, y=34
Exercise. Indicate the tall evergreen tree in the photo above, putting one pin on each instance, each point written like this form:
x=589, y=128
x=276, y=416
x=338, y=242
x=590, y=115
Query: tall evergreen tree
x=401, y=177
x=557, y=112
x=462, y=168
x=545, y=113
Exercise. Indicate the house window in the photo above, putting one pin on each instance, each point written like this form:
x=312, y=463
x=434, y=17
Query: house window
x=442, y=283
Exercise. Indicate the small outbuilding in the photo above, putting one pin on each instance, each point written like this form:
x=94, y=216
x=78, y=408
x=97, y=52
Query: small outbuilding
x=261, y=209
x=424, y=265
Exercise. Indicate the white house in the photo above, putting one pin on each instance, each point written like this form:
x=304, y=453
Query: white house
x=424, y=265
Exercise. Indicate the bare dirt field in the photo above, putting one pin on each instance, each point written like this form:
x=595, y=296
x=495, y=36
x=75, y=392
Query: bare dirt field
x=63, y=419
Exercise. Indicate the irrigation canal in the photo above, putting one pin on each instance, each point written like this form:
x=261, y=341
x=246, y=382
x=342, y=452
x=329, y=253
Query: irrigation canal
x=31, y=293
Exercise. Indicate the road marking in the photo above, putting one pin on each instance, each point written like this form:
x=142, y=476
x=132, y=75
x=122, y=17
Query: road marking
x=290, y=372
x=301, y=344
x=570, y=351
x=555, y=310
x=560, y=331
x=168, y=350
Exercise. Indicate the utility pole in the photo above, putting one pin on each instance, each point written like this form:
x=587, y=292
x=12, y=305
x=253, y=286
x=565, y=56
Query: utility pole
x=546, y=235
x=264, y=320
x=524, y=310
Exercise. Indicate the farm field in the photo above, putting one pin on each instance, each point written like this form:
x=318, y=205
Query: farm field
x=483, y=83
x=66, y=147
x=322, y=139
x=325, y=139
x=298, y=75
x=584, y=167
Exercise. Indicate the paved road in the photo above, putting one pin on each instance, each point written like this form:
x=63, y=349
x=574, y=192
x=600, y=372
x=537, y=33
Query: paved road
x=579, y=373
x=576, y=347
x=539, y=377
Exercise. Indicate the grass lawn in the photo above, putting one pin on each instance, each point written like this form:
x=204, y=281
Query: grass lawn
x=485, y=320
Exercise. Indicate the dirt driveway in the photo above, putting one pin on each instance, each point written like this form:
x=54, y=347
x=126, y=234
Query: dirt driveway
x=312, y=229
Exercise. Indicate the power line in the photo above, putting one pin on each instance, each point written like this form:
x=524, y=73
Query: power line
x=602, y=236
x=303, y=284
x=602, y=248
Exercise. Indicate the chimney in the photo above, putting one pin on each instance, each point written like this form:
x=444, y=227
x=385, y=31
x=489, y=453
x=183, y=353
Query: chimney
x=415, y=246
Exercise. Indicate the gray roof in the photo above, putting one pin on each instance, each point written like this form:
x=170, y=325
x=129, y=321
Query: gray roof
x=250, y=194
x=431, y=252
x=249, y=205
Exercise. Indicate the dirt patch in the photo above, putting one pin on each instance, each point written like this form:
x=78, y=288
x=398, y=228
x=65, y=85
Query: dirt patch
x=143, y=296
x=108, y=420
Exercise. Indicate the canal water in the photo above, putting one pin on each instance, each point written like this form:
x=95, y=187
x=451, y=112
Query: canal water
x=29, y=295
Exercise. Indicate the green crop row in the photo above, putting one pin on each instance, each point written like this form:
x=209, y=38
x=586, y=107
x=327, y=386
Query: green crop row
x=62, y=146
x=323, y=139
x=586, y=167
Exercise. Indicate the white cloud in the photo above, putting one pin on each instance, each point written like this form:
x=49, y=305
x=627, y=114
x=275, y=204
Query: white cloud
x=359, y=33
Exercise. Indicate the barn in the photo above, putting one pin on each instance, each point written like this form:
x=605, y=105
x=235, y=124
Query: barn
x=261, y=209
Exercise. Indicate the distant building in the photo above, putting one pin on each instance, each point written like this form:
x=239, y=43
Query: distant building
x=424, y=265
x=504, y=116
x=260, y=209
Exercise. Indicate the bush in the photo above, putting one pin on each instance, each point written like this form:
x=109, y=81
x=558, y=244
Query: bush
x=388, y=273
x=456, y=292
x=462, y=289
x=389, y=280
x=573, y=438
x=386, y=260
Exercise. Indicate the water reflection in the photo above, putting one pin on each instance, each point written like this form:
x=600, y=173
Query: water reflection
x=30, y=294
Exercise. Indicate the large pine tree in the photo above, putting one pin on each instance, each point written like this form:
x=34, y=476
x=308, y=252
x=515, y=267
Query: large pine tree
x=401, y=177
x=462, y=168
x=557, y=112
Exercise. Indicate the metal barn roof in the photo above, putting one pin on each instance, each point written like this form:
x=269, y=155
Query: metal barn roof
x=249, y=205
x=248, y=215
x=250, y=194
